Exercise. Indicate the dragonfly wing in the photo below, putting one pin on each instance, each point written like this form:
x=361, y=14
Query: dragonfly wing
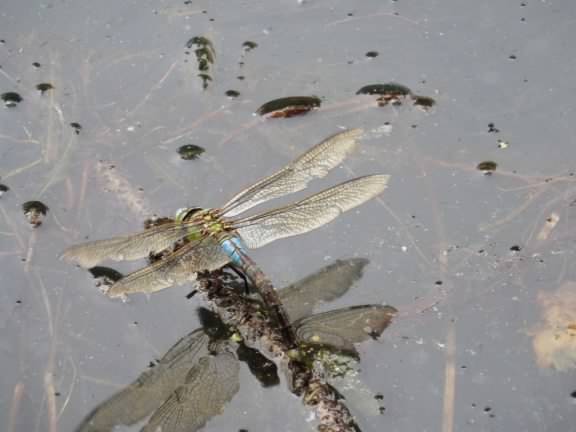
x=139, y=399
x=330, y=283
x=315, y=163
x=208, y=387
x=175, y=269
x=310, y=213
x=342, y=328
x=126, y=248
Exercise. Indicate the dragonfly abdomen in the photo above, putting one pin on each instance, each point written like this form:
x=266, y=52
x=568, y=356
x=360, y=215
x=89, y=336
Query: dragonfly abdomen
x=232, y=246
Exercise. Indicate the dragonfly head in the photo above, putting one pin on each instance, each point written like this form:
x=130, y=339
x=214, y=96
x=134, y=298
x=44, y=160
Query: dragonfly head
x=184, y=214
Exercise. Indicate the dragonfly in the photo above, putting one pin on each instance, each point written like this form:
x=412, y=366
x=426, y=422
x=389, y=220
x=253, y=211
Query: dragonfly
x=212, y=238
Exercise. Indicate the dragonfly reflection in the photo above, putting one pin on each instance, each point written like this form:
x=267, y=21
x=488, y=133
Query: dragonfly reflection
x=195, y=379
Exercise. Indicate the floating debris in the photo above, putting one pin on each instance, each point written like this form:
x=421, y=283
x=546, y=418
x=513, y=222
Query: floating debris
x=554, y=341
x=390, y=93
x=502, y=144
x=205, y=55
x=372, y=54
x=190, y=151
x=11, y=99
x=44, y=87
x=492, y=128
x=423, y=102
x=487, y=167
x=34, y=212
x=548, y=227
x=3, y=189
x=232, y=94
x=289, y=106
x=77, y=127
x=129, y=196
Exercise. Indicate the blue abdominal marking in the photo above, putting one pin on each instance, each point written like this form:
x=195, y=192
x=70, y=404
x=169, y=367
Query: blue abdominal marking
x=231, y=247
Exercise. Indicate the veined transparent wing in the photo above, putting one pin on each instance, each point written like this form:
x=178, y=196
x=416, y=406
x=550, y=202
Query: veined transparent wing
x=139, y=399
x=342, y=328
x=175, y=269
x=310, y=213
x=208, y=387
x=315, y=163
x=127, y=248
x=331, y=282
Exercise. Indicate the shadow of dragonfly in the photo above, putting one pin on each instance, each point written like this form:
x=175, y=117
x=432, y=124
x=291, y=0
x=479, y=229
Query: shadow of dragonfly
x=199, y=375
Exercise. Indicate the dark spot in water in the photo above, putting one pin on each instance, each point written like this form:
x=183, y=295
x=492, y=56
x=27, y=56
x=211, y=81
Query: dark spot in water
x=424, y=102
x=289, y=106
x=34, y=212
x=512, y=57
x=241, y=63
x=249, y=45
x=573, y=394
x=241, y=77
x=350, y=14
x=463, y=367
x=188, y=2
x=523, y=4
x=44, y=87
x=438, y=282
x=487, y=409
x=212, y=19
x=523, y=19
x=77, y=127
x=515, y=248
x=487, y=167
x=105, y=276
x=2, y=41
x=3, y=189
x=11, y=99
x=36, y=65
x=379, y=396
x=18, y=301
x=492, y=128
x=205, y=56
x=372, y=54
x=232, y=93
x=381, y=410
x=190, y=151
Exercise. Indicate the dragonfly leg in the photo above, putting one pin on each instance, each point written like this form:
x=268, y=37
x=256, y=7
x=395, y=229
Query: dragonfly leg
x=238, y=272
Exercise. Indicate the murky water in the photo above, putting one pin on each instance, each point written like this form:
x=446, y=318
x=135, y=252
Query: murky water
x=107, y=95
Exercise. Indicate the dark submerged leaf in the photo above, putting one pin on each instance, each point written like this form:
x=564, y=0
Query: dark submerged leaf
x=190, y=151
x=11, y=99
x=289, y=106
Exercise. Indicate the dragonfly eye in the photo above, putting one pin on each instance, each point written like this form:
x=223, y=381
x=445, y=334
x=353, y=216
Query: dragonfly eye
x=183, y=214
